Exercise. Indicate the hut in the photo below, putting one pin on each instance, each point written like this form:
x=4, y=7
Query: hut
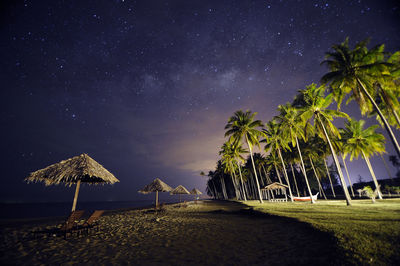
x=73, y=171
x=275, y=192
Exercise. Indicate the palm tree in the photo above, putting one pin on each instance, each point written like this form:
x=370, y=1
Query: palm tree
x=237, y=151
x=272, y=162
x=242, y=125
x=354, y=71
x=292, y=128
x=212, y=176
x=258, y=162
x=227, y=161
x=212, y=192
x=292, y=159
x=219, y=174
x=314, y=107
x=325, y=152
x=275, y=142
x=388, y=89
x=312, y=150
x=365, y=142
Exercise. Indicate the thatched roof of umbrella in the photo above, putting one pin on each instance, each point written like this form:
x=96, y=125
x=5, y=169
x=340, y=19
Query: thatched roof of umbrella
x=195, y=191
x=156, y=185
x=275, y=185
x=180, y=190
x=79, y=168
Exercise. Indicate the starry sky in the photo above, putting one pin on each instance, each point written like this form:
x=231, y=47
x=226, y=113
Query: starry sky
x=146, y=87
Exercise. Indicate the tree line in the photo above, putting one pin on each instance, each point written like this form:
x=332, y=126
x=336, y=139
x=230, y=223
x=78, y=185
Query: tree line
x=298, y=142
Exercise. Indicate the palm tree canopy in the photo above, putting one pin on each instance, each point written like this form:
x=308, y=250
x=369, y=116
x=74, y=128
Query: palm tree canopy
x=358, y=140
x=347, y=66
x=273, y=137
x=242, y=124
x=314, y=105
x=291, y=123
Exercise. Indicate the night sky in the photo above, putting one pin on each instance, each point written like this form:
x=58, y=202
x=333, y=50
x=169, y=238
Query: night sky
x=146, y=87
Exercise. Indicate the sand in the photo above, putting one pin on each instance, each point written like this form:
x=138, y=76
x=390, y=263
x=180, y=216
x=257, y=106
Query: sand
x=209, y=233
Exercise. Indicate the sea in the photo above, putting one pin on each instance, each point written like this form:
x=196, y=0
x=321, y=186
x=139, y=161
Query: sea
x=9, y=211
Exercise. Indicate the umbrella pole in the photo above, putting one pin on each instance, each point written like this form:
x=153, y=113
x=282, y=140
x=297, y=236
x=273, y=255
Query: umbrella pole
x=156, y=199
x=76, y=195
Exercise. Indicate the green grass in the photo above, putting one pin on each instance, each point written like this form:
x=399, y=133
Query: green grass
x=368, y=233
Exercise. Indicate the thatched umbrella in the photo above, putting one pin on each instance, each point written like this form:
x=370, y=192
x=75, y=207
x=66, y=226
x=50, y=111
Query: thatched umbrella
x=72, y=171
x=195, y=192
x=156, y=186
x=179, y=190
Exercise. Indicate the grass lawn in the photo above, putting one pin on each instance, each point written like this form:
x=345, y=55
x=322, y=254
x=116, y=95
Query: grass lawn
x=368, y=233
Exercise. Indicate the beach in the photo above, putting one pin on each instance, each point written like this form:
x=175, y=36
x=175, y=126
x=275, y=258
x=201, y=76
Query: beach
x=207, y=233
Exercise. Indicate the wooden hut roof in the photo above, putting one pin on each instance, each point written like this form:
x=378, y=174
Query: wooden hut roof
x=275, y=185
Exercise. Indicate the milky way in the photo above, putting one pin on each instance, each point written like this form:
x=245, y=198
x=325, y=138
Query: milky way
x=146, y=87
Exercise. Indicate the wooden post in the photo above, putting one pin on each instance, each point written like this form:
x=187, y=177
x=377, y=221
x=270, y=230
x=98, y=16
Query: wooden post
x=76, y=195
x=156, y=199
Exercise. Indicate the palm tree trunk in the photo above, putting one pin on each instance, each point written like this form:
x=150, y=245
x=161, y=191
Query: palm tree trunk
x=266, y=176
x=329, y=176
x=233, y=181
x=223, y=188
x=389, y=130
x=254, y=168
x=277, y=173
x=253, y=187
x=348, y=176
x=335, y=159
x=304, y=170
x=317, y=177
x=372, y=174
x=215, y=190
x=241, y=180
x=295, y=182
x=285, y=174
x=261, y=178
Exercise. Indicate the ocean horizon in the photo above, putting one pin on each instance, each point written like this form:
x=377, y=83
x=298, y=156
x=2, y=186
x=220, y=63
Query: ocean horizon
x=27, y=210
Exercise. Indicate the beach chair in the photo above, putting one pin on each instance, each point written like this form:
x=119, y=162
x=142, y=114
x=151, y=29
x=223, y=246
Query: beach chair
x=160, y=208
x=69, y=226
x=184, y=204
x=91, y=222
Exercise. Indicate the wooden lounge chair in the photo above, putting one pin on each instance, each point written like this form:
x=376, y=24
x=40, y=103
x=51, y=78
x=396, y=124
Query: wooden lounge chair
x=71, y=224
x=91, y=222
x=184, y=204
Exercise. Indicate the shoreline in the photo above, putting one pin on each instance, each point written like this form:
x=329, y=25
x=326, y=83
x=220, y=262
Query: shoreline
x=13, y=222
